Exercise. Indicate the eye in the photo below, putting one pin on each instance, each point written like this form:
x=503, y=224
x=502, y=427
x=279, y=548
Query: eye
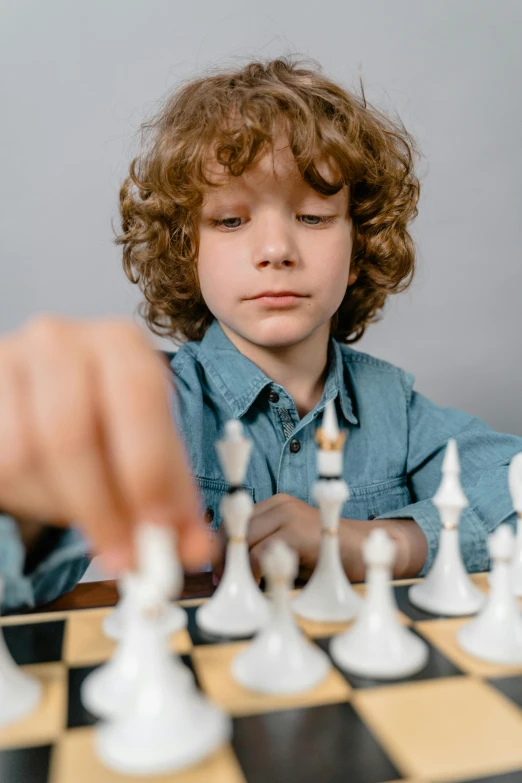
x=321, y=219
x=225, y=222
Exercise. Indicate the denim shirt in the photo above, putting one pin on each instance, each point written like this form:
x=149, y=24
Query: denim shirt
x=393, y=453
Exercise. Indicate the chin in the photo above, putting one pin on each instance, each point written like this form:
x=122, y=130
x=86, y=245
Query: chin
x=277, y=333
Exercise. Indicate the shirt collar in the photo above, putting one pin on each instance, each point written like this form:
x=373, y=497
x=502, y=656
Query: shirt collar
x=241, y=381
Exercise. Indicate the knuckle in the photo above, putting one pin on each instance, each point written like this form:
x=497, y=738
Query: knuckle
x=123, y=331
x=48, y=330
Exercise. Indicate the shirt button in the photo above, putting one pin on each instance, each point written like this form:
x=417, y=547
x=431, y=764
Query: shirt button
x=209, y=515
x=273, y=396
x=294, y=446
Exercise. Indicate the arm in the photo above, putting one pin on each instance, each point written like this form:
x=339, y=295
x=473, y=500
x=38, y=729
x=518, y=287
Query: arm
x=484, y=458
x=38, y=562
x=409, y=538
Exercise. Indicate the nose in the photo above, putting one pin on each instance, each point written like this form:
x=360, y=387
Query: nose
x=275, y=245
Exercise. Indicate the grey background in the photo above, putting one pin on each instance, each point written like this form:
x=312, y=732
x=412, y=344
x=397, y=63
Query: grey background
x=76, y=80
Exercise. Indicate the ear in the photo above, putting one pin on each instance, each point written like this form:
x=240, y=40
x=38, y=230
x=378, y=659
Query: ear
x=352, y=278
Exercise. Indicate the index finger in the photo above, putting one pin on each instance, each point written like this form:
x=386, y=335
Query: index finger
x=143, y=447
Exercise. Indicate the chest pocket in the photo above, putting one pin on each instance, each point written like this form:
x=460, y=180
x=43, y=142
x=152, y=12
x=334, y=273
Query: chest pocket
x=374, y=500
x=211, y=492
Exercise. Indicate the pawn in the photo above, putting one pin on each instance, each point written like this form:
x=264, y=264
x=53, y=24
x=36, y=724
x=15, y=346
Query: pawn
x=107, y=690
x=238, y=607
x=515, y=488
x=172, y=617
x=166, y=724
x=163, y=723
x=19, y=693
x=280, y=659
x=377, y=645
x=447, y=588
x=495, y=634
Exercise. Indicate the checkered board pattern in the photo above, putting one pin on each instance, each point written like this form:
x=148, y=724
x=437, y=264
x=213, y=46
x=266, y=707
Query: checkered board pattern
x=458, y=719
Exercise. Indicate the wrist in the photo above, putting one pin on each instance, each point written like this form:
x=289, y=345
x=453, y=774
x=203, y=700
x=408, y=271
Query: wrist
x=412, y=547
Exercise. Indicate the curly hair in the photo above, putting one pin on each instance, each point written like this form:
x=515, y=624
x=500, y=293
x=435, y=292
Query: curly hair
x=234, y=116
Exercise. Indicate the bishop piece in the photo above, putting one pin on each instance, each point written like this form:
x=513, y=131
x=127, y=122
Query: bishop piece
x=495, y=634
x=238, y=607
x=447, y=589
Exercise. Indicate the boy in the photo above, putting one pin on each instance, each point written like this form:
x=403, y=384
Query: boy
x=266, y=224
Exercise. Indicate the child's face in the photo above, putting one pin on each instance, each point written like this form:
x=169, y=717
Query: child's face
x=275, y=234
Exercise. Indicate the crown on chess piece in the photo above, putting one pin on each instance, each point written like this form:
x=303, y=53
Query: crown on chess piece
x=328, y=436
x=327, y=443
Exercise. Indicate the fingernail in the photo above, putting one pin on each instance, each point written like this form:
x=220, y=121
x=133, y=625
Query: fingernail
x=215, y=579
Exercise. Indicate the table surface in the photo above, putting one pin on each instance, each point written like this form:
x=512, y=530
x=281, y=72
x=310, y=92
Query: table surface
x=94, y=594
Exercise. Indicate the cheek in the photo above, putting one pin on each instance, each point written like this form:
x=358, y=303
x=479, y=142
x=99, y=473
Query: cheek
x=217, y=276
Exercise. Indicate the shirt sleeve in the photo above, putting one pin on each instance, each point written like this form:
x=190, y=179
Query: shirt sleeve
x=57, y=573
x=484, y=456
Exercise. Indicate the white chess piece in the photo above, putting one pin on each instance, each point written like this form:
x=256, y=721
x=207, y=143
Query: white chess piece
x=19, y=693
x=377, y=645
x=515, y=488
x=238, y=607
x=328, y=595
x=495, y=634
x=107, y=691
x=447, y=588
x=280, y=659
x=166, y=723
x=172, y=617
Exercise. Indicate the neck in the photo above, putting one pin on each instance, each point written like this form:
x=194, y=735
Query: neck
x=300, y=368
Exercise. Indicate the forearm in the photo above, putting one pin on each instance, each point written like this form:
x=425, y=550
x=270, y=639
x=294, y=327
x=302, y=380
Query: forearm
x=410, y=541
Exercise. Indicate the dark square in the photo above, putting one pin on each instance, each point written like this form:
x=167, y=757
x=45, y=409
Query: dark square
x=507, y=777
x=201, y=637
x=25, y=765
x=329, y=744
x=35, y=642
x=407, y=608
x=77, y=714
x=510, y=687
x=437, y=666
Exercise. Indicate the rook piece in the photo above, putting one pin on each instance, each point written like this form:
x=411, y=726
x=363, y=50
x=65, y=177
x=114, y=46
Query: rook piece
x=328, y=596
x=447, y=589
x=280, y=659
x=378, y=645
x=495, y=634
x=238, y=607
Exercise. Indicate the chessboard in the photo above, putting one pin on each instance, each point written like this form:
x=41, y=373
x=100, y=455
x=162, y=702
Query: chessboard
x=458, y=719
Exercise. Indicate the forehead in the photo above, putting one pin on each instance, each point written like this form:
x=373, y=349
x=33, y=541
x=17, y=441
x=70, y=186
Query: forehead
x=276, y=168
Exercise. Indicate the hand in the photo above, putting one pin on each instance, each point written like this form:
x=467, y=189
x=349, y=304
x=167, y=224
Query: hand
x=299, y=525
x=86, y=436
x=280, y=517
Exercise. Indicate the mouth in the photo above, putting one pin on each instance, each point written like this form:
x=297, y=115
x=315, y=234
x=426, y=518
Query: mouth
x=278, y=298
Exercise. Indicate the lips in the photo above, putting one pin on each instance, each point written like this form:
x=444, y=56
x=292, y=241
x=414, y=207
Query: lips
x=273, y=294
